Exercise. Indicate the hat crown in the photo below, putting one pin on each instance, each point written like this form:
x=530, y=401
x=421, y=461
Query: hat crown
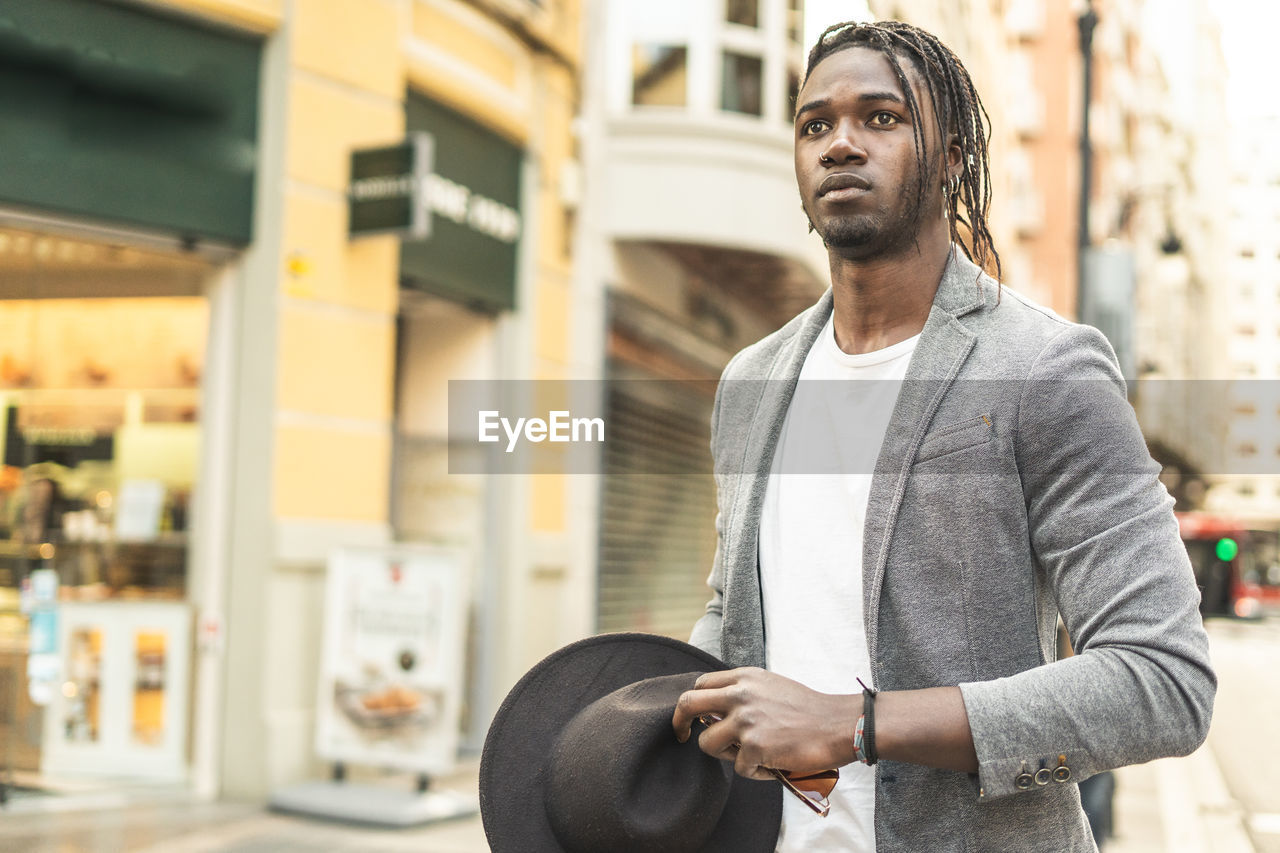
x=619, y=780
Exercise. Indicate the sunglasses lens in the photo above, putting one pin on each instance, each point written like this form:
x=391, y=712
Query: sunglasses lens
x=818, y=785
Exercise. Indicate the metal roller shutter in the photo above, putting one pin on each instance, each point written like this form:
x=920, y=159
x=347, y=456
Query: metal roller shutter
x=657, y=525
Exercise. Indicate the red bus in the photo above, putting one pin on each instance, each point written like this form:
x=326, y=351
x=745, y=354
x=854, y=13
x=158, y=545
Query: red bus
x=1237, y=565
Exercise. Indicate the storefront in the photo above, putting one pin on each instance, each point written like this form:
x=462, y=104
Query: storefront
x=130, y=145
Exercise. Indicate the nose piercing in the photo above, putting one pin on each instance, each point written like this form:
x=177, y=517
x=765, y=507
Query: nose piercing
x=825, y=159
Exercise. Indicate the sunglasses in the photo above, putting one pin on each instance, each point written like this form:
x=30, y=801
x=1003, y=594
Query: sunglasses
x=812, y=789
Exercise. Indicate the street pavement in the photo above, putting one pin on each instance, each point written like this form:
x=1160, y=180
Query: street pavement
x=1225, y=798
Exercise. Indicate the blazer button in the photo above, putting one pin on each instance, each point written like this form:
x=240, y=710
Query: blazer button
x=1062, y=774
x=1023, y=781
x=1043, y=775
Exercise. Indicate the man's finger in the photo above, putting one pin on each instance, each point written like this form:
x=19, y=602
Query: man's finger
x=693, y=704
x=720, y=740
x=718, y=678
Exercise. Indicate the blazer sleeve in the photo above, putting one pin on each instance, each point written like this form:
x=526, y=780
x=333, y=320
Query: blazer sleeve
x=706, y=631
x=1105, y=539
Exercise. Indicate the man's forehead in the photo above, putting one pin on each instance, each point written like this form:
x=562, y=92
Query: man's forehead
x=865, y=68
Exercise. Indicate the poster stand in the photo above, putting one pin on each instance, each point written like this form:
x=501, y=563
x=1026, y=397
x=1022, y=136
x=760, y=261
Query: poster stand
x=390, y=687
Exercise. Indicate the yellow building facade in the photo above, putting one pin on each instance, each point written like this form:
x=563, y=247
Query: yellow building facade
x=327, y=363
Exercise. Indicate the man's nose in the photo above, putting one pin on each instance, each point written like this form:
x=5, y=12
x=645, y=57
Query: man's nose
x=844, y=148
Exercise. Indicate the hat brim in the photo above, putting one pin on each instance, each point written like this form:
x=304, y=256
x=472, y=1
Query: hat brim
x=519, y=744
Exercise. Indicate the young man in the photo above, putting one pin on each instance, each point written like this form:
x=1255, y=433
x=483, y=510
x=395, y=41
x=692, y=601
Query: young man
x=921, y=532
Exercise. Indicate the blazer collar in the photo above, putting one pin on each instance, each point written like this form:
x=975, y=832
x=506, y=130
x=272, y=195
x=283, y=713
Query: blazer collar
x=964, y=288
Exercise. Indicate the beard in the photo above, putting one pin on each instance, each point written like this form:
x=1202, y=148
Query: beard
x=866, y=235
x=850, y=232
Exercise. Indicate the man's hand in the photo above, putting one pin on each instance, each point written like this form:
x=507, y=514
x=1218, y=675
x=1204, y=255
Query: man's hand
x=769, y=721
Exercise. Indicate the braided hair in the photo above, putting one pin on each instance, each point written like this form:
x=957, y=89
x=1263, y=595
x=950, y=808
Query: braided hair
x=957, y=109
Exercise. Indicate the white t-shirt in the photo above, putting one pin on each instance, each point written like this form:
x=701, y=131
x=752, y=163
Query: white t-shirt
x=811, y=557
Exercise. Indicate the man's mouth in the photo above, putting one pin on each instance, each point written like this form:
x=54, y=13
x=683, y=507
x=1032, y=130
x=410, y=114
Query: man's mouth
x=842, y=186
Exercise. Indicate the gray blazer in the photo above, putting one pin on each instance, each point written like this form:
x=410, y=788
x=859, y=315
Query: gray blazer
x=1013, y=485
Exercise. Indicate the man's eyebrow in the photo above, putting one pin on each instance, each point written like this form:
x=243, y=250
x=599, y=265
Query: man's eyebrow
x=813, y=105
x=865, y=96
x=881, y=96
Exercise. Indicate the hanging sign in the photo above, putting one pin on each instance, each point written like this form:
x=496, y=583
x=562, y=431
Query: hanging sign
x=391, y=663
x=395, y=190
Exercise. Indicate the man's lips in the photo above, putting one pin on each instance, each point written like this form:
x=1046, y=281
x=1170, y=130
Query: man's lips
x=843, y=185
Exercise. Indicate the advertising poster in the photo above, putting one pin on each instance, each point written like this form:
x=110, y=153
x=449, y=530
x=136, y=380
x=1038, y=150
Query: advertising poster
x=391, y=667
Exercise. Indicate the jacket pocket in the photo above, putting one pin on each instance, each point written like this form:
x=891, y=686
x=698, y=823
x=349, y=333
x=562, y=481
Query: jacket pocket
x=955, y=437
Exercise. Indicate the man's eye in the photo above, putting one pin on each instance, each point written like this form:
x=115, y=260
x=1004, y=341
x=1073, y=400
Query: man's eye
x=884, y=119
x=812, y=127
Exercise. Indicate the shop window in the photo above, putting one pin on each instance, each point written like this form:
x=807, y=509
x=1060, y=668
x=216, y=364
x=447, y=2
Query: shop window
x=659, y=75
x=148, y=688
x=81, y=689
x=741, y=83
x=745, y=13
x=102, y=357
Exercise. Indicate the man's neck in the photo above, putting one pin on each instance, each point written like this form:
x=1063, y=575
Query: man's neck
x=881, y=301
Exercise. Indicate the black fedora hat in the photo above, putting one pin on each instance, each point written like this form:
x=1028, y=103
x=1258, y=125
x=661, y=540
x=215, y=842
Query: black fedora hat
x=581, y=758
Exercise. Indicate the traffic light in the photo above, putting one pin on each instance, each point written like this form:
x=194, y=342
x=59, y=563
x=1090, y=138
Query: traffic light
x=1226, y=549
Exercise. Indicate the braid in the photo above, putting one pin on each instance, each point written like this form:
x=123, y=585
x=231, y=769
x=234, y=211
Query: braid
x=956, y=109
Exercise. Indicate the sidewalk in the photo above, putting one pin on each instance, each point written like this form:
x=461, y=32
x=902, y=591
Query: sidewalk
x=1169, y=806
x=1177, y=805
x=137, y=822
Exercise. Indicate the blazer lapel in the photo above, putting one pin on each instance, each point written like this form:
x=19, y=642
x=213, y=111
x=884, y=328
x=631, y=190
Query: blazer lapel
x=944, y=345
x=742, y=641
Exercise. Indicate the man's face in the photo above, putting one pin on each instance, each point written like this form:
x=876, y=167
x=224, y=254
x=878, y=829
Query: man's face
x=856, y=153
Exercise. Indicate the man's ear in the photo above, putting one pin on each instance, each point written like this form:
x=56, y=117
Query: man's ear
x=954, y=157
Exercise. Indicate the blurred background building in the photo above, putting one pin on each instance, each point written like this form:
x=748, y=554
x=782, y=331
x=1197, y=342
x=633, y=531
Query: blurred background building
x=213, y=374
x=1251, y=253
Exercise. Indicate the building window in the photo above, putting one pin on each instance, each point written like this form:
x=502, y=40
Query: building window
x=659, y=75
x=745, y=13
x=1247, y=448
x=1245, y=489
x=1246, y=252
x=741, y=83
x=795, y=21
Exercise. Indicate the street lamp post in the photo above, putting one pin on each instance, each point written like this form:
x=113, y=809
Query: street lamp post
x=1087, y=21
